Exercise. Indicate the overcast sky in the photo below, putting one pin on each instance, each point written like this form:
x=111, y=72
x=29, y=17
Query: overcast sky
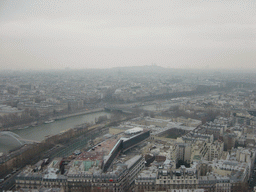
x=55, y=34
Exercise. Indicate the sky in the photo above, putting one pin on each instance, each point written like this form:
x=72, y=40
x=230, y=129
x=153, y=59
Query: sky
x=78, y=34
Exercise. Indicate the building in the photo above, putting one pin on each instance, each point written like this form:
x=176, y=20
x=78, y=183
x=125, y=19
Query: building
x=108, y=166
x=215, y=150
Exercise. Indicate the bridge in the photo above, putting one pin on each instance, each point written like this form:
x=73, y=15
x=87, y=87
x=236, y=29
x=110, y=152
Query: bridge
x=119, y=109
x=15, y=138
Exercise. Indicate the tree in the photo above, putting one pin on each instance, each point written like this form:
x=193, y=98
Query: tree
x=101, y=119
x=145, y=114
x=204, y=120
x=116, y=116
x=152, y=114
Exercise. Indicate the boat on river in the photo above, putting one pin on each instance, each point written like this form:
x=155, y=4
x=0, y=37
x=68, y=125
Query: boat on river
x=50, y=121
x=23, y=127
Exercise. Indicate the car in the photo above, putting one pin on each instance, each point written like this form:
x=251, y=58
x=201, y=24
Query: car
x=7, y=176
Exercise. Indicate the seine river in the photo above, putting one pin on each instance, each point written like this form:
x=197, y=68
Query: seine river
x=39, y=132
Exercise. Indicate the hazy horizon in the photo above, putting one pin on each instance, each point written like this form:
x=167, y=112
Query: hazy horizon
x=200, y=34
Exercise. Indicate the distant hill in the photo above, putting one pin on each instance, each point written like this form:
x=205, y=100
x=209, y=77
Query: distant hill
x=146, y=69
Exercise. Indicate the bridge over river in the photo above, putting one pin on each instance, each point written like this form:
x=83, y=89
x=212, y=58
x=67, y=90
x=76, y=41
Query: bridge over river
x=119, y=109
x=14, y=138
x=9, y=141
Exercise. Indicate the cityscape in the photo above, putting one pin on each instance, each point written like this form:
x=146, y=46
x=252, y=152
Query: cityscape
x=128, y=129
x=127, y=96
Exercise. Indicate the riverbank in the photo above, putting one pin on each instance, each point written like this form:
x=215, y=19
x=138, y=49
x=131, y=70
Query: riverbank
x=78, y=113
x=60, y=117
x=40, y=132
x=56, y=145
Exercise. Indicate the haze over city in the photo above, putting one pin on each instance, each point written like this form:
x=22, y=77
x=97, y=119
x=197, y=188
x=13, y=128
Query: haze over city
x=127, y=96
x=198, y=34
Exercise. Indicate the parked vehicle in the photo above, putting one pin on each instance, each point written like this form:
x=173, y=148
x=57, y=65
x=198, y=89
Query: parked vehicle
x=7, y=176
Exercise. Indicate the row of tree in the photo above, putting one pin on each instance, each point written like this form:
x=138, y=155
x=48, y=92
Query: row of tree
x=27, y=116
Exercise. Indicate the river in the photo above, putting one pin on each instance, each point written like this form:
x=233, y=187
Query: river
x=39, y=132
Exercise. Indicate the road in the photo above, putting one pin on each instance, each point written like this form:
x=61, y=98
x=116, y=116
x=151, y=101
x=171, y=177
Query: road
x=9, y=182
